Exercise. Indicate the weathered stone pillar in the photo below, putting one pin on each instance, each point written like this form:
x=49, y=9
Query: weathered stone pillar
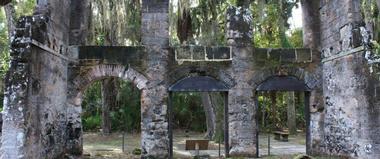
x=36, y=86
x=242, y=111
x=79, y=20
x=15, y=99
x=351, y=122
x=155, y=37
x=312, y=40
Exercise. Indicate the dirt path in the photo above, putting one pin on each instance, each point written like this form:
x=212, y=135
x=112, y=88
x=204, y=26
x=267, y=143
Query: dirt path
x=97, y=146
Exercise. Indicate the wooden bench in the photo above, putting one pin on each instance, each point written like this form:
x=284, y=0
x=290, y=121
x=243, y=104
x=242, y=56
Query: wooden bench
x=193, y=144
x=281, y=136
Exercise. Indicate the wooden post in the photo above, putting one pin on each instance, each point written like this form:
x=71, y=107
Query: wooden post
x=268, y=143
x=123, y=142
x=170, y=125
x=219, y=147
x=257, y=122
x=226, y=144
x=307, y=118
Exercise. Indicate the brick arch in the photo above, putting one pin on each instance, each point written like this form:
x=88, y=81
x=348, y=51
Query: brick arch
x=219, y=74
x=98, y=72
x=309, y=78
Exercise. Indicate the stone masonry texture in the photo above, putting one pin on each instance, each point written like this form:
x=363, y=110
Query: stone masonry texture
x=50, y=70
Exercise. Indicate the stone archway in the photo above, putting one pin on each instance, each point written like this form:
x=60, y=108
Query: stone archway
x=98, y=72
x=208, y=99
x=302, y=77
x=219, y=73
x=78, y=86
x=200, y=84
x=309, y=78
x=283, y=83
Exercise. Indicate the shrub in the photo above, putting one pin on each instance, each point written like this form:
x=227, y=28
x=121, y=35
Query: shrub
x=91, y=123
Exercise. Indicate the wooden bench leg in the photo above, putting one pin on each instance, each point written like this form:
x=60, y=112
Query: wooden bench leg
x=277, y=137
x=285, y=138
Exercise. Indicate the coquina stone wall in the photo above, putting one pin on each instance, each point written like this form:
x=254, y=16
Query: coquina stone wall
x=350, y=123
x=50, y=69
x=36, y=86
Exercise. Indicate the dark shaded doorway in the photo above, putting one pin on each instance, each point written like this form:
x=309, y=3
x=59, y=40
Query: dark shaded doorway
x=198, y=84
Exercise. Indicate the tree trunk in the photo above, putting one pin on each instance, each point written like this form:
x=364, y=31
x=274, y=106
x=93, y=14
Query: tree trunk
x=109, y=85
x=4, y=2
x=311, y=23
x=291, y=113
x=209, y=108
x=184, y=26
x=273, y=114
x=281, y=21
x=109, y=95
x=10, y=13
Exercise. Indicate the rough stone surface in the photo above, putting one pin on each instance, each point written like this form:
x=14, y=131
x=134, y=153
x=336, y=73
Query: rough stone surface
x=350, y=125
x=46, y=80
x=34, y=107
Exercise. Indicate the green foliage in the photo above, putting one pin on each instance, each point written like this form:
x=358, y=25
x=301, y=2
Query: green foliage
x=188, y=112
x=91, y=105
x=4, y=49
x=91, y=122
x=136, y=151
x=270, y=119
x=218, y=99
x=124, y=117
x=207, y=18
x=370, y=13
x=128, y=115
x=4, y=52
x=296, y=38
x=115, y=23
x=92, y=100
x=22, y=7
x=271, y=23
x=376, y=47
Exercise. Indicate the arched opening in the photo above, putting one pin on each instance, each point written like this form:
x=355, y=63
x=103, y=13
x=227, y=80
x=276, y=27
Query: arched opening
x=125, y=118
x=123, y=139
x=283, y=116
x=190, y=145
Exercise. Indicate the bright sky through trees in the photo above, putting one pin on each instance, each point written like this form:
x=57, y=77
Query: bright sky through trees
x=296, y=20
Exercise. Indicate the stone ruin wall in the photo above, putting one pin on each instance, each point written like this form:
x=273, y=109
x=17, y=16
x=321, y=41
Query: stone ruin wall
x=35, y=99
x=42, y=118
x=351, y=122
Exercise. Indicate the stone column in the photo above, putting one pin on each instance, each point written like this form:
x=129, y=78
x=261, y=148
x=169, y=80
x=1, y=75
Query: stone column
x=312, y=40
x=242, y=110
x=351, y=123
x=13, y=140
x=79, y=20
x=155, y=37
